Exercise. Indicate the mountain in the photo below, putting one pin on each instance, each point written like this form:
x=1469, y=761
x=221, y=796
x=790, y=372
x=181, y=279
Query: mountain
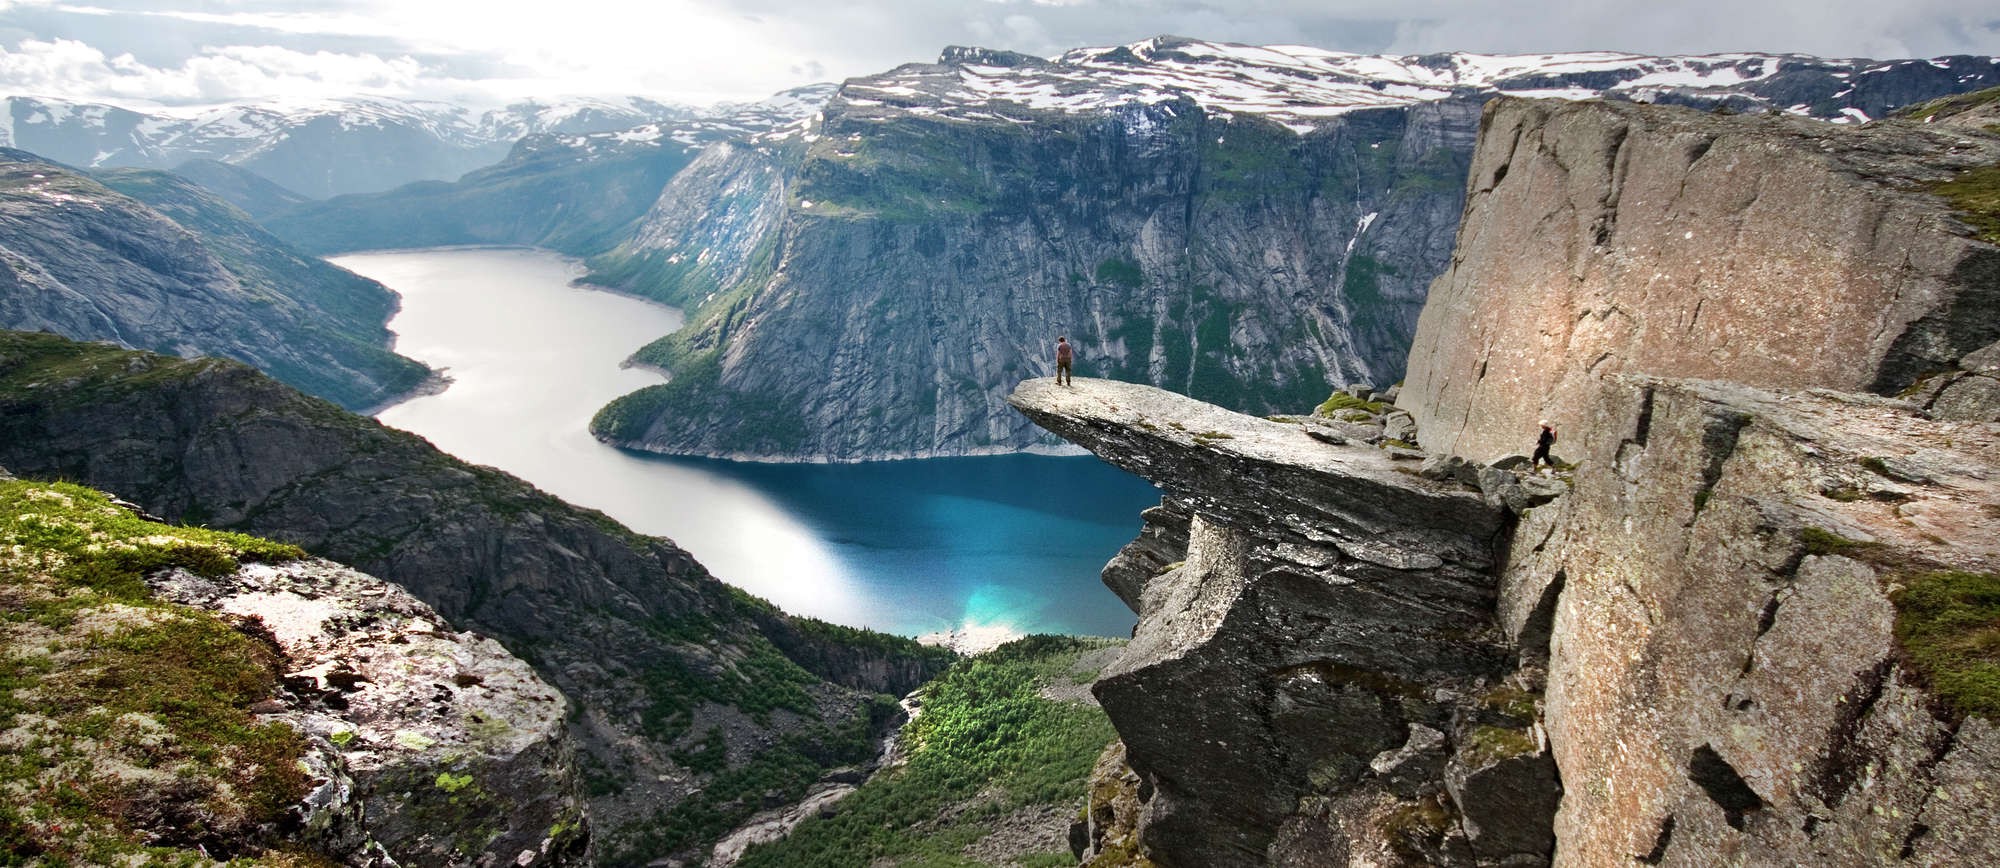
x=150, y=260
x=694, y=704
x=317, y=148
x=578, y=193
x=258, y=196
x=1247, y=225
x=1747, y=616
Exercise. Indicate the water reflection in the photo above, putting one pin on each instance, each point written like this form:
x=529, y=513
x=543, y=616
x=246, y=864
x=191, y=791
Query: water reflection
x=1007, y=544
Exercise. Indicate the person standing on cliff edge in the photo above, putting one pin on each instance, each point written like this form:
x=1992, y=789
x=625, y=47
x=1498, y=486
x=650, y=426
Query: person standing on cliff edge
x=1064, y=355
x=1542, y=444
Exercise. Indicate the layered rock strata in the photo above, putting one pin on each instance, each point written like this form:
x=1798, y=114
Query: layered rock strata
x=1326, y=648
x=1603, y=237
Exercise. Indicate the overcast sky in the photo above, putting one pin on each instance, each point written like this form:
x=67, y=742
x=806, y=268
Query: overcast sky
x=488, y=51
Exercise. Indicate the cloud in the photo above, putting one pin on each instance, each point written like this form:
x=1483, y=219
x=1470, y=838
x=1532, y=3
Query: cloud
x=704, y=50
x=66, y=67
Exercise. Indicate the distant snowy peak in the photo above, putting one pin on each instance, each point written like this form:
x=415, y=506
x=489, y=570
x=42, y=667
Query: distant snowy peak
x=698, y=128
x=1300, y=86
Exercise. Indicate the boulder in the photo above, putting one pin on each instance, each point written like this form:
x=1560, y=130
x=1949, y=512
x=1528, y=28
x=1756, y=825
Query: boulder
x=1972, y=398
x=1506, y=787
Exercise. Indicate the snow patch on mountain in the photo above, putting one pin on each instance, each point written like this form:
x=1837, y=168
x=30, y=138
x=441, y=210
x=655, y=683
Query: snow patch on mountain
x=1302, y=87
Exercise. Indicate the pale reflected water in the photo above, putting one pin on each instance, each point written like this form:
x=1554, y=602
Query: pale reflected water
x=1010, y=543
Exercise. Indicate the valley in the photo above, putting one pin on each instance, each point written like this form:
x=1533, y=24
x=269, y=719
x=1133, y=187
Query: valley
x=644, y=483
x=988, y=548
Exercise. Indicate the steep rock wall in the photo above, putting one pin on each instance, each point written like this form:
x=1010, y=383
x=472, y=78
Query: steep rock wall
x=1320, y=670
x=920, y=267
x=1605, y=237
x=1725, y=679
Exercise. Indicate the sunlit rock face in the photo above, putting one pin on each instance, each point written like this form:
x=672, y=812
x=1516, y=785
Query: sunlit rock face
x=1603, y=237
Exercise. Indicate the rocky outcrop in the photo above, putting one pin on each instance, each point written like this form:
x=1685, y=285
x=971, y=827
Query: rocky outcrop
x=427, y=746
x=178, y=694
x=1736, y=625
x=153, y=262
x=1299, y=682
x=1726, y=679
x=678, y=679
x=1603, y=237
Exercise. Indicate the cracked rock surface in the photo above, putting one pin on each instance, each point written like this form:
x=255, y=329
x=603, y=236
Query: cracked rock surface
x=429, y=746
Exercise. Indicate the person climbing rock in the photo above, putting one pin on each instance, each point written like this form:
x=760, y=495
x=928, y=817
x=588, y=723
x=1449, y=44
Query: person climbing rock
x=1064, y=355
x=1542, y=444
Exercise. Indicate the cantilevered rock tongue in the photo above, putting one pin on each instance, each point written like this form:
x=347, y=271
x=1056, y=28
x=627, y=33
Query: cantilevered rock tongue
x=1327, y=603
x=1247, y=471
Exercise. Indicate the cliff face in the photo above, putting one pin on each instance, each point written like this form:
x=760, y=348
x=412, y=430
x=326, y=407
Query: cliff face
x=1772, y=251
x=1244, y=225
x=1321, y=651
x=1736, y=669
x=680, y=682
x=1741, y=624
x=918, y=267
x=151, y=261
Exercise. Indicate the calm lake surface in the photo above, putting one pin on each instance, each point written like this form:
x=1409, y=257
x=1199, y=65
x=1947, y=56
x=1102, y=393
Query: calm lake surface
x=990, y=546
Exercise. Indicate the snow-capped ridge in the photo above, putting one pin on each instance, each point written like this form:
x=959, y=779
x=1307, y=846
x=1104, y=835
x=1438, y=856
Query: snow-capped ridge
x=1300, y=86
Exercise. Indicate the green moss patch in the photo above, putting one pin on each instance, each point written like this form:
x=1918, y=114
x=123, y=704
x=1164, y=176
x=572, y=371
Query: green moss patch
x=1339, y=401
x=1948, y=623
x=1975, y=194
x=126, y=717
x=1489, y=744
x=1944, y=107
x=1822, y=542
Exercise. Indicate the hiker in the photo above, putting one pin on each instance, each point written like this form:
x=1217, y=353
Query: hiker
x=1542, y=444
x=1064, y=355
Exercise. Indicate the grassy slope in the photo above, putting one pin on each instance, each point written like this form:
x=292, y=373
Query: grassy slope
x=571, y=204
x=986, y=744
x=125, y=717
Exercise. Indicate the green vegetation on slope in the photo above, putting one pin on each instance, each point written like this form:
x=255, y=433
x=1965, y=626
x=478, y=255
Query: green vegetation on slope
x=1944, y=107
x=125, y=717
x=775, y=775
x=1975, y=193
x=550, y=197
x=1949, y=624
x=1339, y=401
x=987, y=743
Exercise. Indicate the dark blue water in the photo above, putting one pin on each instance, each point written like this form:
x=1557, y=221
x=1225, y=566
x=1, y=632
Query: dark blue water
x=1010, y=541
x=989, y=547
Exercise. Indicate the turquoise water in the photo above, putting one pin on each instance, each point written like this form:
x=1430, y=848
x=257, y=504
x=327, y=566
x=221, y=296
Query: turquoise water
x=993, y=546
x=1013, y=541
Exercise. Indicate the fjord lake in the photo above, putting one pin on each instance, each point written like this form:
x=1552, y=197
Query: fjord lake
x=989, y=546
